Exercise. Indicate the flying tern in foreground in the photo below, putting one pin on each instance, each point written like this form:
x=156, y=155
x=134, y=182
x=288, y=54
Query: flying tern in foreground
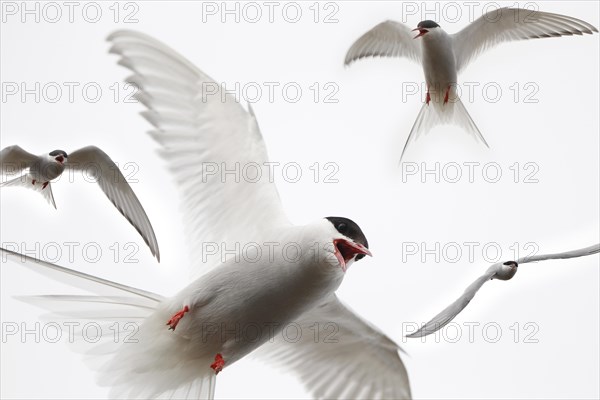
x=502, y=271
x=36, y=172
x=184, y=340
x=444, y=56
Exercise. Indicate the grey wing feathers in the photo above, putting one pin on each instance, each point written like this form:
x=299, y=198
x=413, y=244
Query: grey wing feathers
x=507, y=24
x=339, y=355
x=14, y=159
x=92, y=307
x=587, y=251
x=117, y=189
x=78, y=279
x=388, y=39
x=199, y=125
x=450, y=312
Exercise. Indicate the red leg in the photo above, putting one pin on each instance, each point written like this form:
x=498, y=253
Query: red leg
x=44, y=185
x=218, y=364
x=447, y=95
x=177, y=317
x=33, y=181
x=427, y=98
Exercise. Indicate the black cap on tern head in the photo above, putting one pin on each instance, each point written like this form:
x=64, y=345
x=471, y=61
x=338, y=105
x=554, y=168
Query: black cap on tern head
x=511, y=263
x=350, y=229
x=427, y=24
x=59, y=153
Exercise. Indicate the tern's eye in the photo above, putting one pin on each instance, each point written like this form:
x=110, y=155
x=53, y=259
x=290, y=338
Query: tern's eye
x=342, y=227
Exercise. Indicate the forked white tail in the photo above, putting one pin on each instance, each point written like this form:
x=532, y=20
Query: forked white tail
x=147, y=360
x=435, y=113
x=27, y=182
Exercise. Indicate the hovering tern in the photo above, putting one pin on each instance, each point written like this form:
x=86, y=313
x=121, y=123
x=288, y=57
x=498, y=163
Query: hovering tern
x=444, y=56
x=502, y=271
x=36, y=172
x=184, y=340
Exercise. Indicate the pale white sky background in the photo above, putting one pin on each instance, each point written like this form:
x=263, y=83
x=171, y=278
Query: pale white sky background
x=362, y=133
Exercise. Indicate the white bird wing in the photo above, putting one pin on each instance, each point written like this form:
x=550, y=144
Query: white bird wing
x=114, y=185
x=202, y=128
x=587, y=251
x=14, y=159
x=339, y=355
x=388, y=39
x=507, y=24
x=450, y=312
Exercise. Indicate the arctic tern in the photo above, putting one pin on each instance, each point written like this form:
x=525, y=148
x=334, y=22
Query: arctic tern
x=502, y=271
x=444, y=56
x=185, y=340
x=36, y=172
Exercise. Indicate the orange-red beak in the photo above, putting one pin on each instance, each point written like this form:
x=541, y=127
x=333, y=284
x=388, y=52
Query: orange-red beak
x=345, y=250
x=421, y=32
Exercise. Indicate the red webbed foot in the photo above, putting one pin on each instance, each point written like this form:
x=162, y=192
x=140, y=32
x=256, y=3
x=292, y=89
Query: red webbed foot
x=447, y=95
x=218, y=364
x=177, y=317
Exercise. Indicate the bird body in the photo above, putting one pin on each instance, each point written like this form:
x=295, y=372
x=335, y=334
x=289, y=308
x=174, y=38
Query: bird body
x=46, y=168
x=238, y=295
x=37, y=172
x=439, y=67
x=503, y=271
x=443, y=56
x=230, y=311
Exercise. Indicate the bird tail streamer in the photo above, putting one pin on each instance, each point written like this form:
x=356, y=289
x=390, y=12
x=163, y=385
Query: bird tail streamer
x=133, y=351
x=26, y=181
x=452, y=112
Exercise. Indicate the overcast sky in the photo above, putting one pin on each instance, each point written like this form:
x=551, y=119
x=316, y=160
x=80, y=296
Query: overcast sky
x=535, y=189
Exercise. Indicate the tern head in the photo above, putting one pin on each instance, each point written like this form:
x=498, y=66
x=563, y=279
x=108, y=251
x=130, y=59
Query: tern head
x=507, y=270
x=59, y=156
x=424, y=27
x=350, y=243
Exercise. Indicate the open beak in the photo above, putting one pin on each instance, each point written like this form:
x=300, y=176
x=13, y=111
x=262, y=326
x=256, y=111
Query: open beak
x=345, y=250
x=421, y=32
x=60, y=159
